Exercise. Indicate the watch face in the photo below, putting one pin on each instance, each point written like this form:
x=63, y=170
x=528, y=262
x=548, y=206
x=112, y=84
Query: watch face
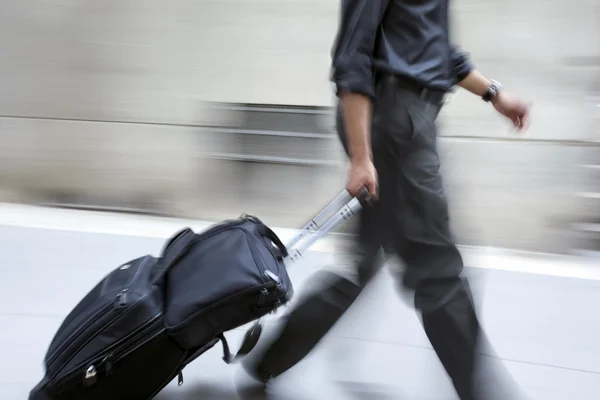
x=493, y=90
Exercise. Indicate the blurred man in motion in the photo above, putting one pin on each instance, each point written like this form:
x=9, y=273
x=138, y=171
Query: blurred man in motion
x=393, y=64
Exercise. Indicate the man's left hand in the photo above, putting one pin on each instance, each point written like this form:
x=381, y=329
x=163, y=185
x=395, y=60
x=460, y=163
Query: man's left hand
x=514, y=109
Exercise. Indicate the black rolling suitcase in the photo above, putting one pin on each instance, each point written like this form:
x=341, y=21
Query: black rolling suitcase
x=146, y=320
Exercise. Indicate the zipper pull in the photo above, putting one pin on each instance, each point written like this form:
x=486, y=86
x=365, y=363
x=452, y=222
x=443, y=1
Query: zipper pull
x=90, y=376
x=180, y=378
x=264, y=295
x=107, y=364
x=274, y=277
x=122, y=298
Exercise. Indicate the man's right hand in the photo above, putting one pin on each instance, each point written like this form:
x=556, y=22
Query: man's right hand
x=362, y=174
x=357, y=122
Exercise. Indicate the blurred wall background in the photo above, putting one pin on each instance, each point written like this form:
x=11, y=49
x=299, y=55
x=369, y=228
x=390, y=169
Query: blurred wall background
x=127, y=104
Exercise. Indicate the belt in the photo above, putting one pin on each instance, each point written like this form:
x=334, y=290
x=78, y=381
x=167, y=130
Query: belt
x=431, y=95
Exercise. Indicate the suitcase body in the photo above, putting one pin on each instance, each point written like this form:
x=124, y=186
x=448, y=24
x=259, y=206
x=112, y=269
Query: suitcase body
x=138, y=328
x=108, y=338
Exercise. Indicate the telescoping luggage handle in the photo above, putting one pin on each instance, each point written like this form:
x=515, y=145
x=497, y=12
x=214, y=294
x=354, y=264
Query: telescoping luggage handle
x=320, y=225
x=346, y=206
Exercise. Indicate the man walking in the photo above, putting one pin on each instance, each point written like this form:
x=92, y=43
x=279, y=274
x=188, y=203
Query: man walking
x=392, y=65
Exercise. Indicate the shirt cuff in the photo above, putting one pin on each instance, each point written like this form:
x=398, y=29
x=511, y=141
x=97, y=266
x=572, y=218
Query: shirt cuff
x=351, y=83
x=462, y=70
x=461, y=64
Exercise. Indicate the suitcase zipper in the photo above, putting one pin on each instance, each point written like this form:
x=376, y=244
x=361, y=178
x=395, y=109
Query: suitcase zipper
x=119, y=303
x=272, y=275
x=219, y=228
x=132, y=342
x=97, y=315
x=91, y=375
x=105, y=363
x=267, y=274
x=122, y=299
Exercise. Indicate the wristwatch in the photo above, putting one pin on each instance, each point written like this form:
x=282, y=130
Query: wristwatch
x=492, y=91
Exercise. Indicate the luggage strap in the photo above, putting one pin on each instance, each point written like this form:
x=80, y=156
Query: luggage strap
x=248, y=343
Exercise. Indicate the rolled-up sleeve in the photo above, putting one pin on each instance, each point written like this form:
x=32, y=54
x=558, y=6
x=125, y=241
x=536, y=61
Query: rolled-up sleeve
x=461, y=64
x=352, y=55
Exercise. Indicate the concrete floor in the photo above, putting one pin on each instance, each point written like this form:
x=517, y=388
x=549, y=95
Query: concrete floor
x=541, y=321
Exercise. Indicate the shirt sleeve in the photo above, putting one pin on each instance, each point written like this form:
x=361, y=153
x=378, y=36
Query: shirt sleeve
x=352, y=55
x=461, y=64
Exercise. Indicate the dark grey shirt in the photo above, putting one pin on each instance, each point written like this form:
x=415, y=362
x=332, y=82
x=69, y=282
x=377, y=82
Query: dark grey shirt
x=409, y=38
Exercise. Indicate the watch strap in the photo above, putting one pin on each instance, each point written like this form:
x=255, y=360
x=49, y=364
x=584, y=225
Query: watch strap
x=492, y=91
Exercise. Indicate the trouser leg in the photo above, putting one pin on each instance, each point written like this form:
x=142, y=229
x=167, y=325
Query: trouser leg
x=413, y=198
x=308, y=323
x=330, y=296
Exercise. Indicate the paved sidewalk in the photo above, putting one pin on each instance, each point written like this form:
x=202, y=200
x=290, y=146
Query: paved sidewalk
x=537, y=309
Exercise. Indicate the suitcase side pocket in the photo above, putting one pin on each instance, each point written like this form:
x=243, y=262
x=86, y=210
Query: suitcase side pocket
x=110, y=295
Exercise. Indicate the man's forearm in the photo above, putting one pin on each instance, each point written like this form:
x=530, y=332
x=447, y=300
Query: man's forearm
x=356, y=110
x=475, y=83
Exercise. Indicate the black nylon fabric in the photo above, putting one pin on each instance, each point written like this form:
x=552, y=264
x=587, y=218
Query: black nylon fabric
x=145, y=321
x=110, y=337
x=231, y=274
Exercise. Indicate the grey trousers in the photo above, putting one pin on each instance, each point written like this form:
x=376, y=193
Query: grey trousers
x=411, y=220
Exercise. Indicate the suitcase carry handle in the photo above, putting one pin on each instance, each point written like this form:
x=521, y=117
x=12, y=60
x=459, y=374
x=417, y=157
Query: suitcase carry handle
x=272, y=236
